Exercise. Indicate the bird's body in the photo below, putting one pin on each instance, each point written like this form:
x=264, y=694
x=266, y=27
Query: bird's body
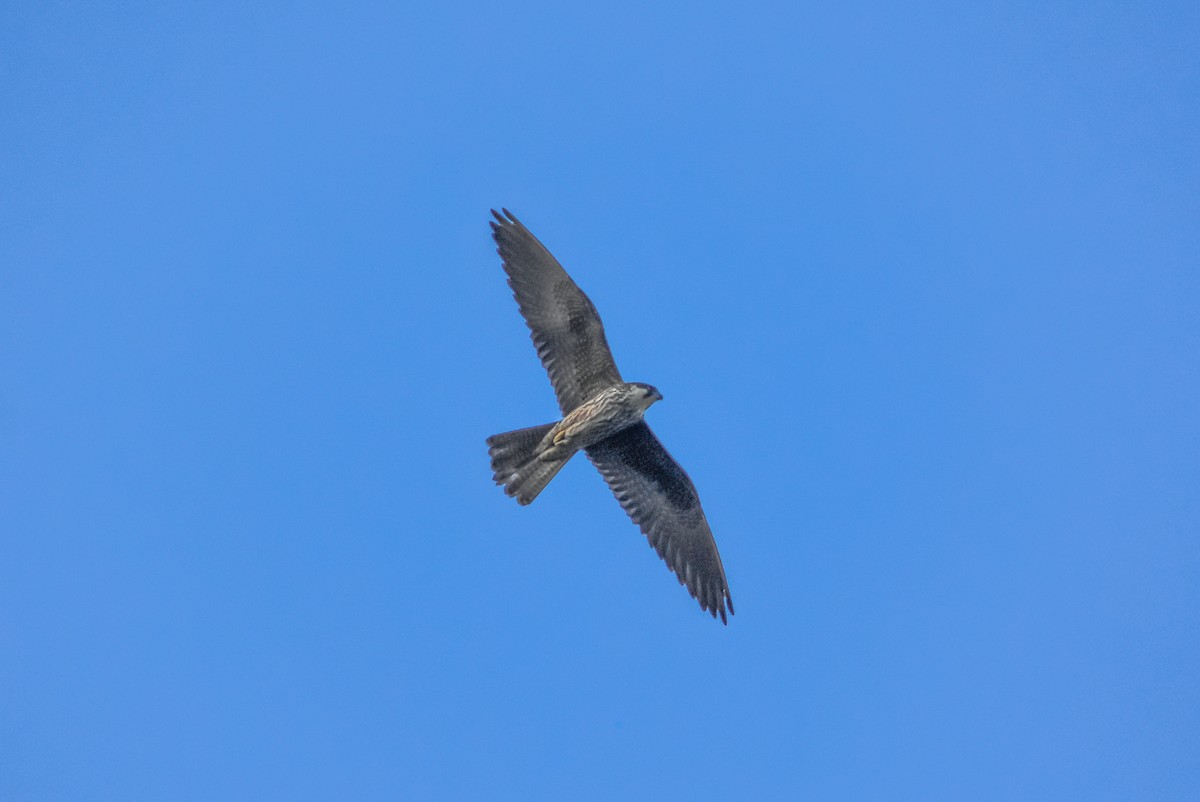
x=603, y=415
x=606, y=413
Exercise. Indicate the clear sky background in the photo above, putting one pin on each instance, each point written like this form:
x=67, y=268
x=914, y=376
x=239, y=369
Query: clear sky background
x=920, y=284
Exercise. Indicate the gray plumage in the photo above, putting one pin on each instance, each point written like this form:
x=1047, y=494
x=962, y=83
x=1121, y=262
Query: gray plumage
x=565, y=327
x=602, y=416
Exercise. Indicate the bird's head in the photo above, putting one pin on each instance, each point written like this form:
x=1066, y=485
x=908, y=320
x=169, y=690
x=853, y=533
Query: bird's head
x=648, y=393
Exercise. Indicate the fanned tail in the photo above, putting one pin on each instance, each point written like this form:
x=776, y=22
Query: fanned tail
x=516, y=466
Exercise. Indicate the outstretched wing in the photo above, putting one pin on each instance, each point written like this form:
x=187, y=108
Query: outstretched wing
x=565, y=327
x=661, y=499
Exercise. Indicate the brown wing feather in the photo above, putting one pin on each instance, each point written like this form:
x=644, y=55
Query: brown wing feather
x=563, y=323
x=660, y=498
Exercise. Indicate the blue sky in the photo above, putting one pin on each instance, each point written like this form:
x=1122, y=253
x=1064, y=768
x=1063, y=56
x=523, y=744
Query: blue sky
x=920, y=285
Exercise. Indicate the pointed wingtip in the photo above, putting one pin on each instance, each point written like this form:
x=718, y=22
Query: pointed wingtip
x=715, y=608
x=504, y=217
x=724, y=602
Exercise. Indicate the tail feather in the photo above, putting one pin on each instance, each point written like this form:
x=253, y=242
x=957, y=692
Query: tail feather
x=515, y=463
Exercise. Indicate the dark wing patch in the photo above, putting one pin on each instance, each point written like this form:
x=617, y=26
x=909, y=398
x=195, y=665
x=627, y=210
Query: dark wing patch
x=661, y=499
x=563, y=323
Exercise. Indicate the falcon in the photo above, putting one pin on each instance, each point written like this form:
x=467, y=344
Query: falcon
x=603, y=416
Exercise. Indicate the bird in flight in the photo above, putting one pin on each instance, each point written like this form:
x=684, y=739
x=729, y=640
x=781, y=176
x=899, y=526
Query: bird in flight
x=603, y=415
